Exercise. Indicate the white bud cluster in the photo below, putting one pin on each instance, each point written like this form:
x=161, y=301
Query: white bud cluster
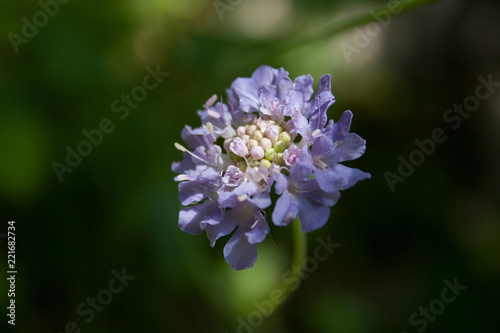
x=262, y=142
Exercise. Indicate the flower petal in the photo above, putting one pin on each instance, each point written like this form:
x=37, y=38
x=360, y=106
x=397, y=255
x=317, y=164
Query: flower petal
x=285, y=210
x=304, y=85
x=218, y=116
x=247, y=93
x=312, y=190
x=322, y=147
x=324, y=84
x=318, y=117
x=197, y=137
x=186, y=164
x=238, y=252
x=267, y=99
x=313, y=215
x=285, y=86
x=352, y=147
x=326, y=180
x=346, y=177
x=194, y=219
x=261, y=200
x=224, y=228
x=264, y=76
x=258, y=229
x=302, y=169
x=341, y=128
x=204, y=186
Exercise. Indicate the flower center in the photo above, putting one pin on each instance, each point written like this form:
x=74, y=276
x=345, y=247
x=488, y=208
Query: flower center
x=257, y=144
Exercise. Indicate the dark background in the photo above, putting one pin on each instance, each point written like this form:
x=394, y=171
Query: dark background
x=118, y=208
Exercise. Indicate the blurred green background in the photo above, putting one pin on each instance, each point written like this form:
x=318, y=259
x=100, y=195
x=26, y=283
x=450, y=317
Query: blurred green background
x=118, y=208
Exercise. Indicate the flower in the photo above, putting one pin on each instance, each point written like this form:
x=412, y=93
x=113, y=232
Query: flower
x=272, y=135
x=302, y=196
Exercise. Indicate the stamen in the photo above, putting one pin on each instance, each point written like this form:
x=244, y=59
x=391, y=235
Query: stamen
x=182, y=177
x=337, y=143
x=213, y=114
x=316, y=133
x=321, y=165
x=242, y=197
x=184, y=150
x=254, y=224
x=179, y=147
x=210, y=127
x=211, y=100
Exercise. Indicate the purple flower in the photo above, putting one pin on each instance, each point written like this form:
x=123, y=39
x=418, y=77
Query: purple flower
x=302, y=196
x=246, y=203
x=337, y=145
x=194, y=219
x=271, y=136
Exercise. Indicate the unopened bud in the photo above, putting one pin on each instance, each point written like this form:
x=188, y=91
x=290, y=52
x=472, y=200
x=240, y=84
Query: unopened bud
x=272, y=133
x=263, y=125
x=257, y=153
x=266, y=163
x=252, y=143
x=279, y=146
x=285, y=137
x=279, y=159
x=238, y=147
x=269, y=154
x=265, y=143
x=240, y=131
x=251, y=130
x=257, y=135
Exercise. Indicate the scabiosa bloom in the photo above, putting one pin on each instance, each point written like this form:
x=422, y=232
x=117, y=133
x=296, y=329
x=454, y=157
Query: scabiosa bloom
x=272, y=135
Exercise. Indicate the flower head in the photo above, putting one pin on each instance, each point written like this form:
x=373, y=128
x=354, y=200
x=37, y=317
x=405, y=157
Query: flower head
x=273, y=135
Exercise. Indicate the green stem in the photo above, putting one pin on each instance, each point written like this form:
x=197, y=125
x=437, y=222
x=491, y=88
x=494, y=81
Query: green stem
x=299, y=255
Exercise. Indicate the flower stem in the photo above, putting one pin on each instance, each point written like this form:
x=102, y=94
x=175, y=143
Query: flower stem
x=299, y=255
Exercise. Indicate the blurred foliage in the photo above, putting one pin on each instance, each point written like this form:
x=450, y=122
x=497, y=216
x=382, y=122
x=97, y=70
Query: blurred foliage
x=118, y=207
